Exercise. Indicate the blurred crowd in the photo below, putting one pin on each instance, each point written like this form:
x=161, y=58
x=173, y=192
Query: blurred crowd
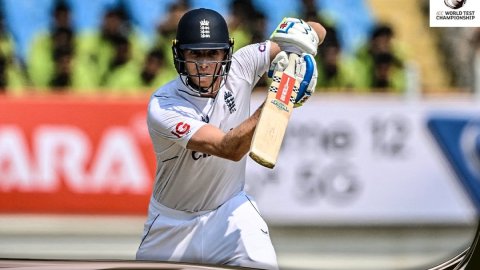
x=113, y=58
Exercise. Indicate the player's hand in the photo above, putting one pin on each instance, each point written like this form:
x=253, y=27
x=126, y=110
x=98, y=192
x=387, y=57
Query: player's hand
x=305, y=72
x=279, y=63
x=297, y=36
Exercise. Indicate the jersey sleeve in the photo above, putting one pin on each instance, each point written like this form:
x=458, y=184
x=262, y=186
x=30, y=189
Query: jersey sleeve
x=172, y=123
x=251, y=62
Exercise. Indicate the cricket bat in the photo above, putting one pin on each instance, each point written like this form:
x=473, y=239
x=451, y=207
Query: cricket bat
x=273, y=121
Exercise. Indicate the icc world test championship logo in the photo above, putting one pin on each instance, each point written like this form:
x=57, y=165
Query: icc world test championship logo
x=455, y=4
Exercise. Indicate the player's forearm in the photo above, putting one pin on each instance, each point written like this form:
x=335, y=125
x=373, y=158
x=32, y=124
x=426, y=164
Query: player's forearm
x=237, y=141
x=232, y=145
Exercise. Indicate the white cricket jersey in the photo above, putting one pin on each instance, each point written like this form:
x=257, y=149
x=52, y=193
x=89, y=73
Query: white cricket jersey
x=191, y=181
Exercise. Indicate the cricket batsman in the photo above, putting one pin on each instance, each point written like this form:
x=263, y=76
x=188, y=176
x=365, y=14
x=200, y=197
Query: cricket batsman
x=201, y=128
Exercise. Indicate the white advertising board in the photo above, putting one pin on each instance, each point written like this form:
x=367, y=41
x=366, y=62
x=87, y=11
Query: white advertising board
x=361, y=161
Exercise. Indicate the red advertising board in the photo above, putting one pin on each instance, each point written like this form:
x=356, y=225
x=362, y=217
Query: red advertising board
x=61, y=154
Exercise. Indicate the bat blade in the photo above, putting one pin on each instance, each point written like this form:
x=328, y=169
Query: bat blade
x=273, y=121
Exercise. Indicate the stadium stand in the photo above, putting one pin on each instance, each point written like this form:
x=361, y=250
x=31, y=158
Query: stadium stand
x=353, y=20
x=146, y=13
x=422, y=51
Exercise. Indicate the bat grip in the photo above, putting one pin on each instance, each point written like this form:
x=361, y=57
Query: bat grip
x=292, y=59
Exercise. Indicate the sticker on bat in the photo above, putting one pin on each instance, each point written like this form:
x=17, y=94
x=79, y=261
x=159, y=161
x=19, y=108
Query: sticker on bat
x=285, y=88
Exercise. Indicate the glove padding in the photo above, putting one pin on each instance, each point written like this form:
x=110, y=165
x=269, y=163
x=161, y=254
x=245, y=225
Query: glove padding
x=305, y=72
x=297, y=36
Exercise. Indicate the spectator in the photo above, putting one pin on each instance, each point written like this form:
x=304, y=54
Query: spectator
x=61, y=78
x=127, y=77
x=99, y=48
x=385, y=75
x=68, y=74
x=335, y=72
x=259, y=26
x=154, y=72
x=310, y=11
x=247, y=25
x=167, y=27
x=53, y=53
x=166, y=31
x=122, y=71
x=40, y=63
x=240, y=11
x=12, y=79
x=379, y=53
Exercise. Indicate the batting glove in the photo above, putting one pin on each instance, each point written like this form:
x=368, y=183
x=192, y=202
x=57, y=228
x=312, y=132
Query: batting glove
x=279, y=63
x=305, y=72
x=297, y=36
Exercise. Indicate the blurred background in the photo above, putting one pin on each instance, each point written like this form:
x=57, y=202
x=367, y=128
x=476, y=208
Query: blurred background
x=123, y=45
x=360, y=182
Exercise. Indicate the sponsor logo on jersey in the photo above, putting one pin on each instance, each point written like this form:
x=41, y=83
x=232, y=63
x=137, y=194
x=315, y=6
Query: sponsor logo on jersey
x=262, y=46
x=198, y=155
x=181, y=129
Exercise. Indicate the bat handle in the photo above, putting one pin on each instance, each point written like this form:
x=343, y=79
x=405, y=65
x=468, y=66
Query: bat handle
x=292, y=59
